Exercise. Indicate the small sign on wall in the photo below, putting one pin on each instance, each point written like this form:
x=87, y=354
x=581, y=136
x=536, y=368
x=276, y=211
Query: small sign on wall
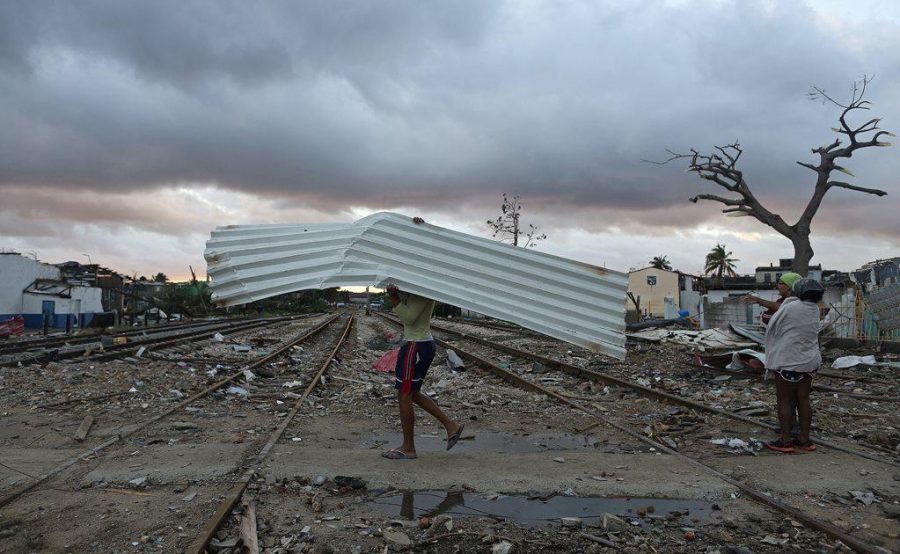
x=651, y=280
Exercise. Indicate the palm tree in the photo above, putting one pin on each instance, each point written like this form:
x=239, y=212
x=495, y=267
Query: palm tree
x=720, y=262
x=661, y=262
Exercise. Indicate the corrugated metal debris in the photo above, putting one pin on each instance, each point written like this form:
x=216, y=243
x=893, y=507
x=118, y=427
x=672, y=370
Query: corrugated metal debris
x=569, y=300
x=885, y=302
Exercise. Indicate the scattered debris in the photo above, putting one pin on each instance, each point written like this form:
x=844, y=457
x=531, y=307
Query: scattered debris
x=83, y=429
x=248, y=529
x=736, y=445
x=139, y=482
x=238, y=390
x=454, y=362
x=707, y=338
x=846, y=362
x=864, y=497
x=396, y=537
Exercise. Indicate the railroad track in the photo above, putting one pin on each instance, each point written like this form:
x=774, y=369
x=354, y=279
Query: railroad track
x=659, y=390
x=159, y=339
x=78, y=384
x=233, y=496
x=622, y=425
x=16, y=346
x=499, y=327
x=127, y=431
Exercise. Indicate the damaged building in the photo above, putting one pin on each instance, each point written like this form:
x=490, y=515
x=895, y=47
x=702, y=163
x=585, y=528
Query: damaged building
x=44, y=293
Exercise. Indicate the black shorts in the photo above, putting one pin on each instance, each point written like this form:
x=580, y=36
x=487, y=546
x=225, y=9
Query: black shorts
x=413, y=362
x=793, y=376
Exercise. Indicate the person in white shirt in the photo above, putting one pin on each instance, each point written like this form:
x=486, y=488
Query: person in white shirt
x=792, y=354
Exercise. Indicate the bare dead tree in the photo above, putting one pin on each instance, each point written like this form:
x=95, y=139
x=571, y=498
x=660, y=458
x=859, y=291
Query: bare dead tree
x=507, y=225
x=721, y=167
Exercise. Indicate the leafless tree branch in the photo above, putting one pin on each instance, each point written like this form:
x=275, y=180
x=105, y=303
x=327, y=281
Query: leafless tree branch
x=839, y=184
x=721, y=167
x=713, y=197
x=740, y=209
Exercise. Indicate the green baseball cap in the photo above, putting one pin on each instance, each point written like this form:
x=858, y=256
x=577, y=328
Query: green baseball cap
x=790, y=278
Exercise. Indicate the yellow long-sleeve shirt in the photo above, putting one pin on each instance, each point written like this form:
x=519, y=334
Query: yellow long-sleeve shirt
x=415, y=312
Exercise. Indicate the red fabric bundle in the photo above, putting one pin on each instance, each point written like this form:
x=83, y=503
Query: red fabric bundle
x=388, y=362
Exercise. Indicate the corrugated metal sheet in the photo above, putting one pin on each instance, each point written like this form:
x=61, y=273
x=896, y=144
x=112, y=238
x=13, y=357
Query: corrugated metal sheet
x=569, y=300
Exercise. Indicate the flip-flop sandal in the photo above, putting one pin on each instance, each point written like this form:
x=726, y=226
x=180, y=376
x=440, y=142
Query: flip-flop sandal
x=808, y=446
x=454, y=438
x=395, y=454
x=780, y=446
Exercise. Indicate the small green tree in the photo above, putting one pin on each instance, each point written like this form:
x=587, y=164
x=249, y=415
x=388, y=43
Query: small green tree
x=160, y=277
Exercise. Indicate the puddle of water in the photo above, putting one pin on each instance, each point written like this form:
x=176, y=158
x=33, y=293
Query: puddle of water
x=535, y=513
x=500, y=443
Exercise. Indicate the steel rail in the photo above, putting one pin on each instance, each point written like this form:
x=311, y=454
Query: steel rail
x=848, y=377
x=520, y=330
x=125, y=432
x=154, y=340
x=523, y=331
x=645, y=391
x=187, y=338
x=116, y=350
x=823, y=388
x=237, y=490
x=760, y=497
x=238, y=328
x=28, y=344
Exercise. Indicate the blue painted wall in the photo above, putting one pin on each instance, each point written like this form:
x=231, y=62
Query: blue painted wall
x=58, y=321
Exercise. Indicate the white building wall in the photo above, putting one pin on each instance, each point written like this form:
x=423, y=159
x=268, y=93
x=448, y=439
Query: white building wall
x=775, y=273
x=84, y=300
x=16, y=273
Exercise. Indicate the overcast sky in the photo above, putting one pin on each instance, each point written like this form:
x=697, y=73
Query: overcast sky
x=129, y=130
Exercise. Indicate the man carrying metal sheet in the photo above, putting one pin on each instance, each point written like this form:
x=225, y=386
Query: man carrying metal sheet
x=413, y=361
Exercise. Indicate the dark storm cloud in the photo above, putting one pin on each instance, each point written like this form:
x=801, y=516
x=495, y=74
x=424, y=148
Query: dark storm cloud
x=420, y=103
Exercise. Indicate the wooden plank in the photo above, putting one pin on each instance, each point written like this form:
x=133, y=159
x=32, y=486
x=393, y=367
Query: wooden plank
x=248, y=530
x=84, y=428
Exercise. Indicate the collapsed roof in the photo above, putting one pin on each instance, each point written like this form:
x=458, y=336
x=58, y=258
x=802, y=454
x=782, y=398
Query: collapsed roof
x=572, y=301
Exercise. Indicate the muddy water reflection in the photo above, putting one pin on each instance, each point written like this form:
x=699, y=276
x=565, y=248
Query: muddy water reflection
x=535, y=512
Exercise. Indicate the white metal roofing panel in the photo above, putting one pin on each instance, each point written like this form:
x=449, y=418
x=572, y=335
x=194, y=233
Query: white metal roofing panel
x=562, y=298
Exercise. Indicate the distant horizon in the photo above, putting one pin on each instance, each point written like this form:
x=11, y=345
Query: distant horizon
x=186, y=278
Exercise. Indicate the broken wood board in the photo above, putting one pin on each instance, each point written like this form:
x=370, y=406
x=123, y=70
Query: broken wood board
x=83, y=429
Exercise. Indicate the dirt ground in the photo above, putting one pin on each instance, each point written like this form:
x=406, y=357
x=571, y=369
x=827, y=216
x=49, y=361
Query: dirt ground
x=526, y=477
